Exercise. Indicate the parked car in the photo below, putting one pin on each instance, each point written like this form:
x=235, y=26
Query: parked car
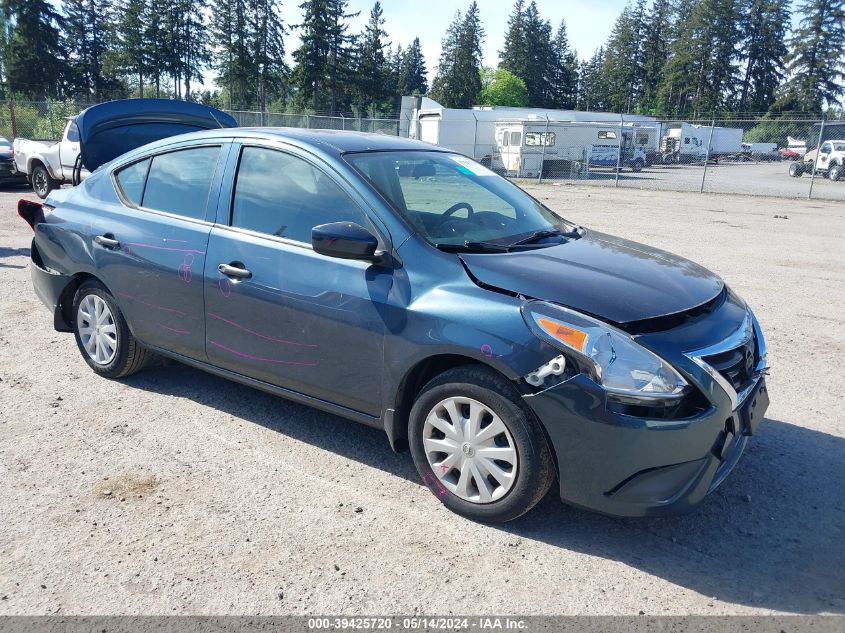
x=8, y=173
x=48, y=164
x=411, y=289
x=829, y=160
x=788, y=153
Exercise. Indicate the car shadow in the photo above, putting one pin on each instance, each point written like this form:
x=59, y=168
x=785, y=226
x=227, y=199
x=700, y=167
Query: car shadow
x=772, y=537
x=5, y=252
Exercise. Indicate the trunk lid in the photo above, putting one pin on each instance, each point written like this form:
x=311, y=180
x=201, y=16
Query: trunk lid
x=110, y=129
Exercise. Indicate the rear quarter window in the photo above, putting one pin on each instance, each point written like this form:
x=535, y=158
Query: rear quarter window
x=130, y=181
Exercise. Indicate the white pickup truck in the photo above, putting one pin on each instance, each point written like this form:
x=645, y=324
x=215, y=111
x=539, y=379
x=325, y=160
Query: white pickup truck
x=829, y=159
x=48, y=164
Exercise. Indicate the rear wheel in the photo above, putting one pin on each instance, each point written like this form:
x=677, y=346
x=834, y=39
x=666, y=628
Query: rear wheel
x=637, y=165
x=102, y=334
x=478, y=447
x=796, y=170
x=42, y=182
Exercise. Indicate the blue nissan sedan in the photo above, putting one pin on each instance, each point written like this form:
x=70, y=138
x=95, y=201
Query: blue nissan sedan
x=411, y=289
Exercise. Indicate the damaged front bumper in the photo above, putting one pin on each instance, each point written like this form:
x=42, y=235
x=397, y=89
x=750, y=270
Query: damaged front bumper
x=624, y=465
x=628, y=466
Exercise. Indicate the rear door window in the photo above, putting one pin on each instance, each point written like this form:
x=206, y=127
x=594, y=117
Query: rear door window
x=178, y=182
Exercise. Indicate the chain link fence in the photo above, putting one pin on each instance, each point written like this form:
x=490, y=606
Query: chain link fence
x=45, y=120
x=770, y=157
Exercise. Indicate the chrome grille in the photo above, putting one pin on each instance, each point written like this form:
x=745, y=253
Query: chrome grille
x=736, y=365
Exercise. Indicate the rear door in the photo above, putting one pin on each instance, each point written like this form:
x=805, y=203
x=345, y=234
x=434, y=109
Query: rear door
x=150, y=249
x=284, y=314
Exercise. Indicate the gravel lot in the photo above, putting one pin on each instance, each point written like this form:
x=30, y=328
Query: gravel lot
x=758, y=179
x=178, y=492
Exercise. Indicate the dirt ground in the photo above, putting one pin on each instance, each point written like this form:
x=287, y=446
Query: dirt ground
x=175, y=492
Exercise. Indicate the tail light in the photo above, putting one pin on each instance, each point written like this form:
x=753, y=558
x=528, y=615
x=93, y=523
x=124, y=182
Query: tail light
x=31, y=212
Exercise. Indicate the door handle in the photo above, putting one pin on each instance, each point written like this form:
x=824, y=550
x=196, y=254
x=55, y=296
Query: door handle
x=107, y=241
x=235, y=269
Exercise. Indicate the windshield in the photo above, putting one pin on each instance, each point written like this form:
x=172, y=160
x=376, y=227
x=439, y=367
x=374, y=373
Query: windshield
x=839, y=147
x=453, y=200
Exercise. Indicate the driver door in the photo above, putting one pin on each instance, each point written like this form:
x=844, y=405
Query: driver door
x=278, y=311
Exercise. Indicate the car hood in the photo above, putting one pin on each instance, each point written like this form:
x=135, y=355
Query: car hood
x=606, y=276
x=110, y=129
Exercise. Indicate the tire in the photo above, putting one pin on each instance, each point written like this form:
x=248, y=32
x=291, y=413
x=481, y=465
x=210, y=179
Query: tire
x=42, y=182
x=122, y=355
x=637, y=165
x=524, y=459
x=835, y=172
x=796, y=170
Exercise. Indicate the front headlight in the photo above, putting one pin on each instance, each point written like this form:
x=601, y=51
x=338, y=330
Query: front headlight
x=617, y=361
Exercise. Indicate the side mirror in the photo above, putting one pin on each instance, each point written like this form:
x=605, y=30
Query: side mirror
x=345, y=240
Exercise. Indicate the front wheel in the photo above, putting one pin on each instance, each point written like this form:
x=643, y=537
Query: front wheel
x=637, y=165
x=102, y=335
x=835, y=173
x=478, y=447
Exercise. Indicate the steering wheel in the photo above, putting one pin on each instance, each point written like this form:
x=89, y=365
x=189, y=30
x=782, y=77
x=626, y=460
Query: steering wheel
x=456, y=207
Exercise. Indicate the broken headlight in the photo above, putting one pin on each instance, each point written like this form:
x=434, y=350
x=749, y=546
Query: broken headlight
x=614, y=359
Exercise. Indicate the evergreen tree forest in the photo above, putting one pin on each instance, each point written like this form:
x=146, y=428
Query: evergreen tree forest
x=688, y=58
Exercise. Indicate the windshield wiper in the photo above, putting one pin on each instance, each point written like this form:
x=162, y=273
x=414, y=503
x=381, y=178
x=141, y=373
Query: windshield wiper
x=475, y=246
x=539, y=235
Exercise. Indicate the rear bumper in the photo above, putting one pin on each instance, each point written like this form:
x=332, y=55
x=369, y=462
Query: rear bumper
x=626, y=466
x=49, y=286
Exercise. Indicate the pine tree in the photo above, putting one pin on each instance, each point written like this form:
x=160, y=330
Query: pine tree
x=701, y=73
x=765, y=27
x=159, y=42
x=655, y=52
x=130, y=54
x=623, y=58
x=413, y=76
x=458, y=81
x=528, y=52
x=312, y=55
x=372, y=72
x=5, y=34
x=564, y=76
x=340, y=67
x=268, y=51
x=87, y=37
x=514, y=55
x=592, y=92
x=35, y=63
x=816, y=61
x=233, y=56
x=442, y=88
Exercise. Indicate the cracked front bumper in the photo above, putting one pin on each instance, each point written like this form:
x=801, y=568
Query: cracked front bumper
x=627, y=466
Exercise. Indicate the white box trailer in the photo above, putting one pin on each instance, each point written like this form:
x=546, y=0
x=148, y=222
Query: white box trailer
x=689, y=143
x=527, y=147
x=472, y=132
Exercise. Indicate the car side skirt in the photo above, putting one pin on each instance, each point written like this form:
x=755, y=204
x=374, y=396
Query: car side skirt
x=289, y=394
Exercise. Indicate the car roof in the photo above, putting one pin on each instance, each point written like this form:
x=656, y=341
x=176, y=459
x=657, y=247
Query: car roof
x=334, y=142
